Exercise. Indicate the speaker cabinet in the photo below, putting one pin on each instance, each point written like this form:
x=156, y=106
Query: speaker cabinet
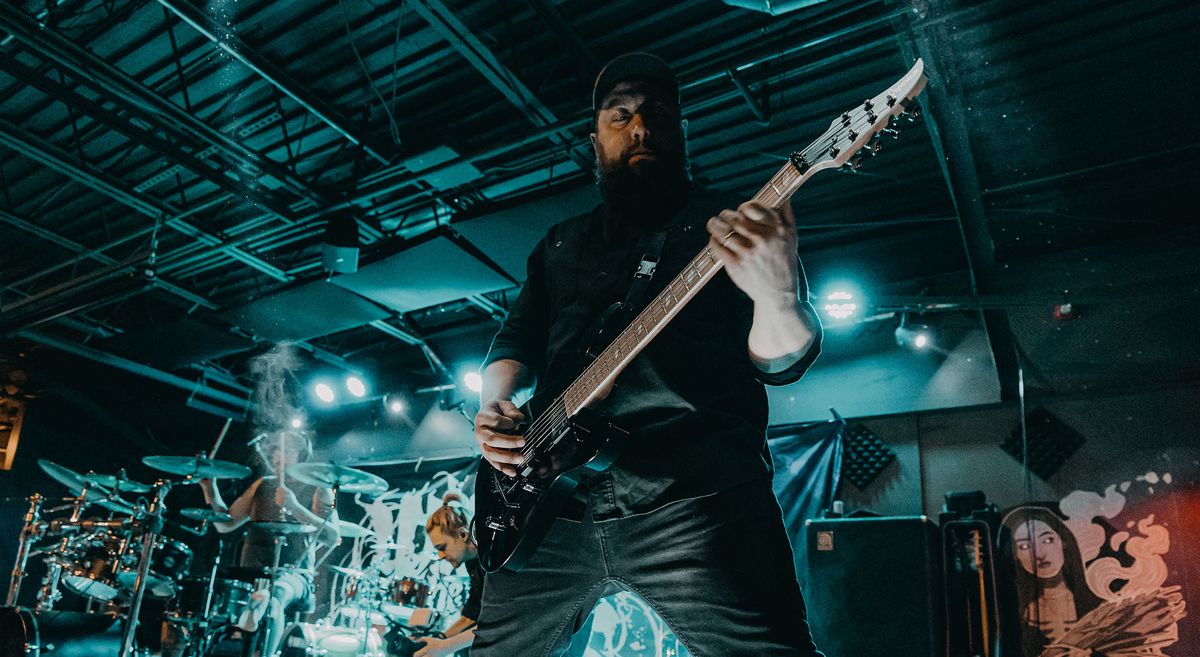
x=875, y=587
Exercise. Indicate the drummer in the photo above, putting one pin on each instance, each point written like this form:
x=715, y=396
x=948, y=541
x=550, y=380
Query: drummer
x=275, y=498
x=449, y=530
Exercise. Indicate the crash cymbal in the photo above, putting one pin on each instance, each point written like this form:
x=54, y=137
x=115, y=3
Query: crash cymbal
x=344, y=478
x=350, y=530
x=282, y=528
x=205, y=514
x=197, y=467
x=116, y=483
x=76, y=483
x=352, y=572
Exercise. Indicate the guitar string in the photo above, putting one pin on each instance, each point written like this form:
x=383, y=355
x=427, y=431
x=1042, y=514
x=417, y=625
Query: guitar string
x=537, y=435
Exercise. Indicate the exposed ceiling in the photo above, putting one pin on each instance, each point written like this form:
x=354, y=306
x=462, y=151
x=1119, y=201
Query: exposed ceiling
x=168, y=168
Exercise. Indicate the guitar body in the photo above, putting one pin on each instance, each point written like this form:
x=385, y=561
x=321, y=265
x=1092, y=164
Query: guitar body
x=513, y=513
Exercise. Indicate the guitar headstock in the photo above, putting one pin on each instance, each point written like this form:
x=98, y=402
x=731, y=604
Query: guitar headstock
x=861, y=127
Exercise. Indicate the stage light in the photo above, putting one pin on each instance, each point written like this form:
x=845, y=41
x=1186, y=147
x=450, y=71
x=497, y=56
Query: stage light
x=297, y=422
x=914, y=336
x=356, y=386
x=473, y=381
x=840, y=304
x=325, y=392
x=394, y=404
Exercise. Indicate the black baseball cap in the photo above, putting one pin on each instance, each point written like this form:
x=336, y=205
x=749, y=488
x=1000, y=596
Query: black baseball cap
x=633, y=66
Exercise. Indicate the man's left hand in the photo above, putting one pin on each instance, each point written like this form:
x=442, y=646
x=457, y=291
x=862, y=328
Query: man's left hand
x=431, y=647
x=757, y=245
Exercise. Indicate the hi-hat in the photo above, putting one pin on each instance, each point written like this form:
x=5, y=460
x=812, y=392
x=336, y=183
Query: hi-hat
x=77, y=484
x=205, y=514
x=197, y=467
x=341, y=477
x=119, y=484
x=283, y=528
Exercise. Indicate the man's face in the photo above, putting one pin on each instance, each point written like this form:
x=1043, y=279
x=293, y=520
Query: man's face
x=1039, y=549
x=452, y=547
x=638, y=131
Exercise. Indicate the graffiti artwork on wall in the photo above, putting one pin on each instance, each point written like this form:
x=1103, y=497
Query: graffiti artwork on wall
x=621, y=625
x=1090, y=578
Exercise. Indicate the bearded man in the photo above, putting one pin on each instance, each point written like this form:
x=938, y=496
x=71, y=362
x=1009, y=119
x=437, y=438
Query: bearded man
x=685, y=517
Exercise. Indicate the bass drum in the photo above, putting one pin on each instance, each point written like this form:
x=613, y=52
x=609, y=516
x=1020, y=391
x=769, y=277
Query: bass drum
x=18, y=633
x=307, y=639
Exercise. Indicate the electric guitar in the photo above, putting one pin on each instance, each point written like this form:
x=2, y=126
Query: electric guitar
x=564, y=441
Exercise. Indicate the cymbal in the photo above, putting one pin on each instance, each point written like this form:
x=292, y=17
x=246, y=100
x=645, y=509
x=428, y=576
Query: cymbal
x=76, y=483
x=344, y=478
x=350, y=530
x=205, y=514
x=117, y=483
x=353, y=572
x=197, y=466
x=283, y=528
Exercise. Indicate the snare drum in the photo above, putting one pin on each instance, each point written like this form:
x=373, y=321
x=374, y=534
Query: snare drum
x=408, y=592
x=168, y=565
x=229, y=599
x=306, y=639
x=91, y=563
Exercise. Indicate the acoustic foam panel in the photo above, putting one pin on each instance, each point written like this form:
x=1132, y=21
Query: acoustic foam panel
x=424, y=275
x=307, y=311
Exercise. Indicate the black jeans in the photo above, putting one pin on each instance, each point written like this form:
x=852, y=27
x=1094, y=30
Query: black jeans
x=718, y=569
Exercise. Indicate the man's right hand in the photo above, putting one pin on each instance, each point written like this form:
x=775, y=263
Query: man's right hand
x=496, y=426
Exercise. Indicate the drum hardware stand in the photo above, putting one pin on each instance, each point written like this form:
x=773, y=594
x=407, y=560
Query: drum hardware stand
x=49, y=593
x=154, y=518
x=30, y=531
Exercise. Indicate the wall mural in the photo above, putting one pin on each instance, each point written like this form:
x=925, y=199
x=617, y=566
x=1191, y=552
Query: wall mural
x=1090, y=577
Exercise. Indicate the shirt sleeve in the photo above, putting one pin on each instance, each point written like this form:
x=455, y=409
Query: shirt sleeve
x=475, y=596
x=525, y=331
x=793, y=373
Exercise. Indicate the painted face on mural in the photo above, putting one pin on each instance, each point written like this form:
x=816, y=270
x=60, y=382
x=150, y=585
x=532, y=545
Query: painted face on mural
x=1039, y=549
x=452, y=547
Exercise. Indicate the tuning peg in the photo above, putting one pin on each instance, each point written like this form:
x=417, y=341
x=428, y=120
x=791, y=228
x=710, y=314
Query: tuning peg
x=874, y=147
x=913, y=113
x=891, y=132
x=855, y=163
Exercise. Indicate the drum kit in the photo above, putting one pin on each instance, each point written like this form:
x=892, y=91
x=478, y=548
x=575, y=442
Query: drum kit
x=118, y=558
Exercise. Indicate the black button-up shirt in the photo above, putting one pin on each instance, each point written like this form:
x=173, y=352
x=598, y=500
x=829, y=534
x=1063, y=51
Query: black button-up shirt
x=692, y=401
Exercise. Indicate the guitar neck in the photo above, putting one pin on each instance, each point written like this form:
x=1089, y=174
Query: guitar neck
x=659, y=312
x=847, y=135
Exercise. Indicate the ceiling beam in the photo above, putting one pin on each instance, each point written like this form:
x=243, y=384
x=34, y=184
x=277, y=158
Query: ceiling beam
x=229, y=42
x=207, y=169
x=35, y=148
x=460, y=37
x=71, y=245
x=162, y=113
x=950, y=134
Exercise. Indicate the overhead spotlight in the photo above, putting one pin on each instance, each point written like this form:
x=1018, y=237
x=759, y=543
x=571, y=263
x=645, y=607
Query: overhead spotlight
x=393, y=404
x=840, y=304
x=325, y=392
x=339, y=246
x=297, y=422
x=356, y=386
x=913, y=336
x=473, y=381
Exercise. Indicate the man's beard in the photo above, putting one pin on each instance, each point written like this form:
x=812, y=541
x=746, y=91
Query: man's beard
x=647, y=193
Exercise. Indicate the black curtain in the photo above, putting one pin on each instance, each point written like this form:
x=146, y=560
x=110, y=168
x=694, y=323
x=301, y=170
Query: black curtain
x=808, y=468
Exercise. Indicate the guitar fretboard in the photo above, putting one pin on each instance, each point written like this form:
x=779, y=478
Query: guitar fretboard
x=655, y=316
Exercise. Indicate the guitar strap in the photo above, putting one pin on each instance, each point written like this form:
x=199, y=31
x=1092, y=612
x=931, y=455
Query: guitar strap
x=651, y=247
